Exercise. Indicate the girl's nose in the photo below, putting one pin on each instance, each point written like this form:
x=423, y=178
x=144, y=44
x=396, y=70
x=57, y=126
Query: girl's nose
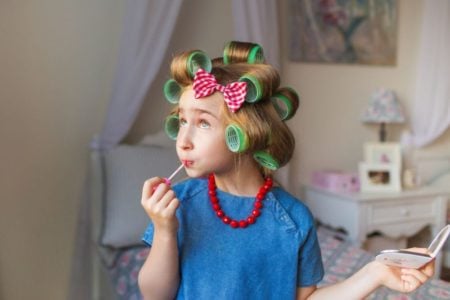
x=184, y=140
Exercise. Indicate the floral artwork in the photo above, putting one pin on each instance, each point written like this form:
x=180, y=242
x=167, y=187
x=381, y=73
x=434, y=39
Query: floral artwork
x=343, y=31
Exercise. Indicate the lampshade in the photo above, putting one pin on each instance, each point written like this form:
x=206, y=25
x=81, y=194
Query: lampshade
x=383, y=108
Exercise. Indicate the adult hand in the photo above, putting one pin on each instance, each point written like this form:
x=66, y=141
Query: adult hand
x=405, y=280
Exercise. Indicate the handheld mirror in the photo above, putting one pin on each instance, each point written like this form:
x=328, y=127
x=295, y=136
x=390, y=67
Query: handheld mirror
x=414, y=260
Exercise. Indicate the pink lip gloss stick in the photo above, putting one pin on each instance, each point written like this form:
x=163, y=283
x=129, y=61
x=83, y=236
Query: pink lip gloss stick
x=167, y=180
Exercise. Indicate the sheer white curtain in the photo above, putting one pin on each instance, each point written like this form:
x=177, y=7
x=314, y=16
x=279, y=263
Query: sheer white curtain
x=257, y=21
x=147, y=29
x=431, y=103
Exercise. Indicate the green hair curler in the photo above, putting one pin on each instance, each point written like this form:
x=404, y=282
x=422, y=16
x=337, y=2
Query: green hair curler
x=172, y=91
x=171, y=126
x=196, y=60
x=283, y=106
x=236, y=139
x=254, y=88
x=256, y=55
x=266, y=160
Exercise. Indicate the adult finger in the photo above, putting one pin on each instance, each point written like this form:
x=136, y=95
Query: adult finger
x=416, y=273
x=410, y=283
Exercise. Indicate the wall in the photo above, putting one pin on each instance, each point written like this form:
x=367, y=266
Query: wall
x=327, y=126
x=57, y=60
x=212, y=28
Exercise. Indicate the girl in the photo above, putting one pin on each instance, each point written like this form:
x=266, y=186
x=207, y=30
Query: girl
x=229, y=233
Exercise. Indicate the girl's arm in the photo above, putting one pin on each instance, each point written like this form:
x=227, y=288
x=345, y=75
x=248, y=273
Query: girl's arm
x=368, y=279
x=159, y=276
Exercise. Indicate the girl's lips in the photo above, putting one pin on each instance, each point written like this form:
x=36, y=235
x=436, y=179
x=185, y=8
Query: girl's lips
x=187, y=163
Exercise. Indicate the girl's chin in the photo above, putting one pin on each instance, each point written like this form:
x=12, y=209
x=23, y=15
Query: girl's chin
x=196, y=173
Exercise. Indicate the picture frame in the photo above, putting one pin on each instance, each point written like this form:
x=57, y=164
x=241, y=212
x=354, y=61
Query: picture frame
x=379, y=177
x=345, y=31
x=383, y=153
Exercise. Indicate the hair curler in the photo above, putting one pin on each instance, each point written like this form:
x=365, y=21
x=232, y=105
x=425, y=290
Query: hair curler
x=254, y=88
x=256, y=55
x=172, y=126
x=236, y=139
x=266, y=160
x=172, y=91
x=248, y=52
x=196, y=60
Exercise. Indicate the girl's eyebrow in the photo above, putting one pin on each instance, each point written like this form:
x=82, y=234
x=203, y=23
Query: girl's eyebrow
x=201, y=111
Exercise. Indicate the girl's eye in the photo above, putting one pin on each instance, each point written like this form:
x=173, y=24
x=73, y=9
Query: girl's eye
x=204, y=124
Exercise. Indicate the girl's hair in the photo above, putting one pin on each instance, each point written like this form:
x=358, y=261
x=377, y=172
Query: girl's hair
x=261, y=121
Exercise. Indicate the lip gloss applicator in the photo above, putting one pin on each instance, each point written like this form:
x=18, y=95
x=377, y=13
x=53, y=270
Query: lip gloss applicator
x=168, y=180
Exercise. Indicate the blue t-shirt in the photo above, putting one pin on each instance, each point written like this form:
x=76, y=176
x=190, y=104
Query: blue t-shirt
x=267, y=260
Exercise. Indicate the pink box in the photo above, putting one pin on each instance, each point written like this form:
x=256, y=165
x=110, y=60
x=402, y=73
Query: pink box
x=336, y=181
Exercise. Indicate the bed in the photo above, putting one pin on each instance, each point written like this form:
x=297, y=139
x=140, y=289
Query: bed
x=118, y=221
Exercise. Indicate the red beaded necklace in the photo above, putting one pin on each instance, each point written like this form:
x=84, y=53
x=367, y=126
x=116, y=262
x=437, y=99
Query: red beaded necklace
x=256, y=212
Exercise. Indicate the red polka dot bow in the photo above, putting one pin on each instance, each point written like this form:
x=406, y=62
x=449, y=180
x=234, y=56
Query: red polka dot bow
x=206, y=84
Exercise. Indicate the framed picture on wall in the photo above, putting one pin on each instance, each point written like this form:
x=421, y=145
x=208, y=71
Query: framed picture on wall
x=344, y=31
x=383, y=153
x=376, y=177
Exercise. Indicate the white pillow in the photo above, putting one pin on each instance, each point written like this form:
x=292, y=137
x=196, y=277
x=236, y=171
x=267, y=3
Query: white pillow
x=125, y=169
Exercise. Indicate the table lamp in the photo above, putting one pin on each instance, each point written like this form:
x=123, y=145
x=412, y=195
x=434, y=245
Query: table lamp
x=383, y=108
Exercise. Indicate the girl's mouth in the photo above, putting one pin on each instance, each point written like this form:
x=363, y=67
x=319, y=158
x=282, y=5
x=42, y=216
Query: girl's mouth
x=187, y=163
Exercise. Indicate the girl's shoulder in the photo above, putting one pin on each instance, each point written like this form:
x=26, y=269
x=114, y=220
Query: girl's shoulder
x=294, y=207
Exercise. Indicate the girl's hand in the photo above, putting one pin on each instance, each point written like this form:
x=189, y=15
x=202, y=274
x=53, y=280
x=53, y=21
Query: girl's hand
x=402, y=279
x=160, y=204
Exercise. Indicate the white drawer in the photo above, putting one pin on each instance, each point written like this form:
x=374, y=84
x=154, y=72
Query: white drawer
x=401, y=211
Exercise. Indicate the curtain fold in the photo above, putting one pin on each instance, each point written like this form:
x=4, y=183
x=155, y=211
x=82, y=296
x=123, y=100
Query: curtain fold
x=147, y=30
x=431, y=103
x=257, y=21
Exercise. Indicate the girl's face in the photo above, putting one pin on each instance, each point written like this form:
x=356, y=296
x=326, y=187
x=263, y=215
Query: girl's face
x=201, y=142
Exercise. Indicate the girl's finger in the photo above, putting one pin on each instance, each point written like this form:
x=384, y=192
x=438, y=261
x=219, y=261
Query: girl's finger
x=173, y=205
x=166, y=198
x=148, y=188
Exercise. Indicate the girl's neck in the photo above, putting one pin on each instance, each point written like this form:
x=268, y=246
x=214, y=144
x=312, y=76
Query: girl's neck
x=244, y=180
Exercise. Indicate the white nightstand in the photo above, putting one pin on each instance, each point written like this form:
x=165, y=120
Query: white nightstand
x=395, y=215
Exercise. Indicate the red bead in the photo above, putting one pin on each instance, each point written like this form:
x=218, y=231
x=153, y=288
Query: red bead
x=251, y=220
x=258, y=205
x=220, y=213
x=226, y=220
x=256, y=212
x=234, y=224
x=243, y=223
x=216, y=207
x=260, y=196
x=214, y=199
x=212, y=193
